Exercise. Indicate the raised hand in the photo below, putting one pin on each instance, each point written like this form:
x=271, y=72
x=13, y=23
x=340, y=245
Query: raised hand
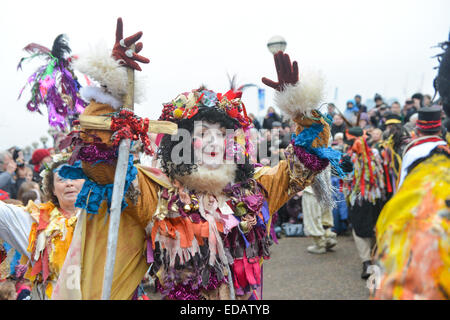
x=287, y=73
x=122, y=51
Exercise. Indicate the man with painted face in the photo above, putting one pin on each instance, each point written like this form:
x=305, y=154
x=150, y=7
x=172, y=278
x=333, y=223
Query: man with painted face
x=237, y=196
x=203, y=218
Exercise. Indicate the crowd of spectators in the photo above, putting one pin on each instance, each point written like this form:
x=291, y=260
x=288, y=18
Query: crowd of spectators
x=372, y=121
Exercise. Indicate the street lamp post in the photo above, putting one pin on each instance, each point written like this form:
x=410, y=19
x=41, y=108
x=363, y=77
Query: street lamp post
x=276, y=43
x=52, y=133
x=44, y=140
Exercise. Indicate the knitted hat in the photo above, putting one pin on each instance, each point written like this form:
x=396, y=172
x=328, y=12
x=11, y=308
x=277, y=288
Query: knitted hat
x=364, y=116
x=37, y=157
x=352, y=134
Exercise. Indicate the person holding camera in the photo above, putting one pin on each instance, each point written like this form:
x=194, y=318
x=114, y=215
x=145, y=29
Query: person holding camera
x=7, y=173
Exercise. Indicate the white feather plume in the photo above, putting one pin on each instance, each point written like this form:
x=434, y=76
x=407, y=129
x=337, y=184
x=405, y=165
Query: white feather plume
x=98, y=64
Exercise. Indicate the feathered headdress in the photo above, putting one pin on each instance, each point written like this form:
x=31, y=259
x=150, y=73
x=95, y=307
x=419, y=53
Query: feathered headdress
x=54, y=83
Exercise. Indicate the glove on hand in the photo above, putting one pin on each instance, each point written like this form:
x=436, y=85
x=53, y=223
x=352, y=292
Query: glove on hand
x=122, y=52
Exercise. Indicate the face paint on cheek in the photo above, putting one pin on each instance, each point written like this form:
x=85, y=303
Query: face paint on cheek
x=198, y=143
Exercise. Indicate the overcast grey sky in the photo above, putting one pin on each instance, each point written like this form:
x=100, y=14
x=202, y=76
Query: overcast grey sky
x=363, y=46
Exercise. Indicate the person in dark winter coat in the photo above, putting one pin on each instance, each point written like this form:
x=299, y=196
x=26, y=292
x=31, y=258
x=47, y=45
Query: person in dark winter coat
x=359, y=105
x=255, y=121
x=338, y=125
x=270, y=118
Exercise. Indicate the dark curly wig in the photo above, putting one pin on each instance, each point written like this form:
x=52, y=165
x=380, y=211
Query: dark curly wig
x=442, y=80
x=208, y=114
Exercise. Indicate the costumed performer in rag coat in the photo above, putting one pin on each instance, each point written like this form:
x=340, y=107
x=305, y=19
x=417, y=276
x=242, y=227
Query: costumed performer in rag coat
x=202, y=220
x=391, y=149
x=364, y=190
x=413, y=230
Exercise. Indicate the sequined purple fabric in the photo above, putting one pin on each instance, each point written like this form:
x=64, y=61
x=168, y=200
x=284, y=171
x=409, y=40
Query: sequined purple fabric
x=92, y=153
x=309, y=160
x=190, y=289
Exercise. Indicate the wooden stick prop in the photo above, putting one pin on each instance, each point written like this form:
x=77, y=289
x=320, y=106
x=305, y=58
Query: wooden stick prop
x=350, y=125
x=104, y=123
x=117, y=196
x=124, y=49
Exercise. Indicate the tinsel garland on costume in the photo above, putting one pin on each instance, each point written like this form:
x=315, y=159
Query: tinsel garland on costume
x=54, y=84
x=126, y=125
x=309, y=160
x=189, y=288
x=91, y=152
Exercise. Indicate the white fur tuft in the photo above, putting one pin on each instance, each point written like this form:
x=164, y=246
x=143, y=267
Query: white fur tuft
x=209, y=180
x=98, y=64
x=302, y=98
x=98, y=94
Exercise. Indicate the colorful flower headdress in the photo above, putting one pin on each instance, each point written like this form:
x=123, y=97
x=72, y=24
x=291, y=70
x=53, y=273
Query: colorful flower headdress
x=55, y=158
x=186, y=106
x=54, y=84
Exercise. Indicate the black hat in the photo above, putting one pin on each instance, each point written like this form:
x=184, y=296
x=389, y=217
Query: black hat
x=377, y=97
x=392, y=118
x=356, y=131
x=417, y=96
x=429, y=119
x=351, y=133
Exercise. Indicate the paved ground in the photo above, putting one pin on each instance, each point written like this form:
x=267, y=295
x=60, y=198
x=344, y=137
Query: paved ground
x=294, y=274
